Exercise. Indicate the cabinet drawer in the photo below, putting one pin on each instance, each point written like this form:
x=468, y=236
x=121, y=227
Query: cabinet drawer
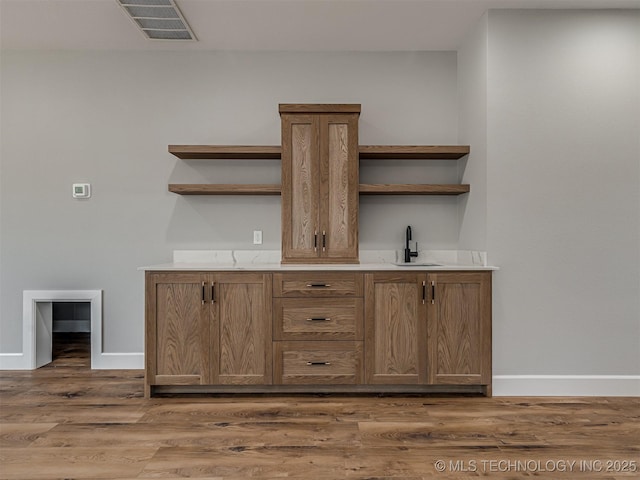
x=317, y=319
x=317, y=363
x=317, y=284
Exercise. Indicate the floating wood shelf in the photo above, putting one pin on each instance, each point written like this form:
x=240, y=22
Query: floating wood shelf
x=232, y=152
x=271, y=152
x=274, y=152
x=365, y=189
x=413, y=152
x=413, y=189
x=224, y=189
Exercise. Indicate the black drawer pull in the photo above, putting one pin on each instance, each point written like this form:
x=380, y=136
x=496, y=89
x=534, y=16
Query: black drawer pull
x=318, y=319
x=311, y=364
x=318, y=285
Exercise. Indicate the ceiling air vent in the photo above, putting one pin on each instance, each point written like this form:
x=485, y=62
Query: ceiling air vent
x=158, y=19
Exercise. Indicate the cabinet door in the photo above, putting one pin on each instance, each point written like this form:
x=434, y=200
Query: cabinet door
x=300, y=187
x=177, y=329
x=459, y=313
x=395, y=328
x=241, y=330
x=339, y=187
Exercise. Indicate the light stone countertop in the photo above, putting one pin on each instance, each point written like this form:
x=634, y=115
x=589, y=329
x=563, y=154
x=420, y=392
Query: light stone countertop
x=269, y=260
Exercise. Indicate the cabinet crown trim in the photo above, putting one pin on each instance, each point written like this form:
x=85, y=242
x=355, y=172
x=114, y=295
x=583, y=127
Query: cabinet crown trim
x=319, y=108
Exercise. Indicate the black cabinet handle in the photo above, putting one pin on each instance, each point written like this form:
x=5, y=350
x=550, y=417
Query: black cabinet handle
x=202, y=293
x=424, y=292
x=318, y=285
x=213, y=292
x=318, y=319
x=324, y=241
x=315, y=241
x=433, y=292
x=315, y=364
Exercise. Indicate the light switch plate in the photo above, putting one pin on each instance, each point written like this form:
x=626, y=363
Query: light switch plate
x=81, y=190
x=257, y=237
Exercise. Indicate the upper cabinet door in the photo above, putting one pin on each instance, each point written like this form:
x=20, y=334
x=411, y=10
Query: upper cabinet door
x=320, y=184
x=300, y=187
x=339, y=187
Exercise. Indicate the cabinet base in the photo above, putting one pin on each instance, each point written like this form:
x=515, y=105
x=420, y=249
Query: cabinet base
x=159, y=390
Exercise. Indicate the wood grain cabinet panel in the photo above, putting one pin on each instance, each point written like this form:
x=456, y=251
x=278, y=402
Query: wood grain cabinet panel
x=459, y=312
x=177, y=330
x=317, y=284
x=301, y=175
x=241, y=333
x=319, y=185
x=339, y=188
x=317, y=363
x=395, y=329
x=317, y=319
x=430, y=329
x=208, y=329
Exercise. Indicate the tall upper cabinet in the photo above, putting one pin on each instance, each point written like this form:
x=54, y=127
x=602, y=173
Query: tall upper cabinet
x=320, y=183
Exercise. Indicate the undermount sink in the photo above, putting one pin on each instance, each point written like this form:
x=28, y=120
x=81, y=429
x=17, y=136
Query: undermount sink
x=418, y=264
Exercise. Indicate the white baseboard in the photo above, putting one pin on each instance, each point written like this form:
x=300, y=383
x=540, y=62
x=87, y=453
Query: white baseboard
x=102, y=361
x=118, y=361
x=566, y=385
x=13, y=361
x=503, y=385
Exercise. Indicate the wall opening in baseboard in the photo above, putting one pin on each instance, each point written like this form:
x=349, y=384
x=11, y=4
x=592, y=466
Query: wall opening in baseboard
x=40, y=307
x=71, y=334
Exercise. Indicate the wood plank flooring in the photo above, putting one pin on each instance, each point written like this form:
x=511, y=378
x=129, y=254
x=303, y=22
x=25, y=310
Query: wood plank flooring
x=67, y=421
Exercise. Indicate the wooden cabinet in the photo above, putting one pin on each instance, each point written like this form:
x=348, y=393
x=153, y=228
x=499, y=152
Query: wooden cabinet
x=309, y=331
x=319, y=183
x=208, y=329
x=459, y=323
x=428, y=328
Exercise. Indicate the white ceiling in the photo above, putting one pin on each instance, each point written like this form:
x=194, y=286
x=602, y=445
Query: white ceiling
x=302, y=25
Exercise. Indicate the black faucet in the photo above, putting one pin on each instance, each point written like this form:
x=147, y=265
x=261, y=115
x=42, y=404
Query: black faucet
x=407, y=251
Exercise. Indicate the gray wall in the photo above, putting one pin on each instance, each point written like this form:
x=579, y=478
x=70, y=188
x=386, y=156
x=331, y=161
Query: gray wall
x=107, y=118
x=472, y=111
x=549, y=101
x=563, y=191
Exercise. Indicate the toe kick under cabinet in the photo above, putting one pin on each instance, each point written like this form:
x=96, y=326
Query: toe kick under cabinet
x=318, y=331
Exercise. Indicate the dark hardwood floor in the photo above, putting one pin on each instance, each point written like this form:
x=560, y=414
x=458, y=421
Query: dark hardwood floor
x=68, y=421
x=71, y=350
